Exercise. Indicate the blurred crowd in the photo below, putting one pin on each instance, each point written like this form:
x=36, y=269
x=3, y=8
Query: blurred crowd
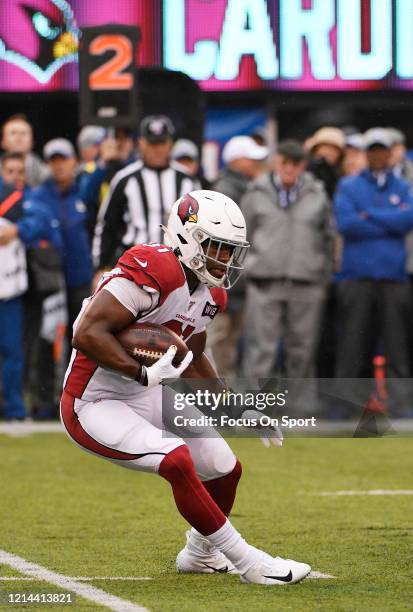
x=327, y=285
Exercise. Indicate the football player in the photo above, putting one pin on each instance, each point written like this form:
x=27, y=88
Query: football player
x=112, y=406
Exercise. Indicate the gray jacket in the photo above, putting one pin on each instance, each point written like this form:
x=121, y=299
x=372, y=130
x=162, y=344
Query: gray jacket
x=232, y=184
x=296, y=242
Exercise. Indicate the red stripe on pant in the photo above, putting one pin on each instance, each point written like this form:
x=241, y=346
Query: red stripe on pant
x=79, y=435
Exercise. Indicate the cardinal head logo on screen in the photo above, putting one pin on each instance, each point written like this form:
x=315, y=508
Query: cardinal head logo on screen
x=39, y=37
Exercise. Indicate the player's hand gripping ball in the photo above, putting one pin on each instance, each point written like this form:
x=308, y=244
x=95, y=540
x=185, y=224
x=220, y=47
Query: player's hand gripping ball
x=162, y=353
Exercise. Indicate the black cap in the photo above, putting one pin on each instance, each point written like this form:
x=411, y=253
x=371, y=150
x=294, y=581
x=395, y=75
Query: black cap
x=157, y=128
x=291, y=149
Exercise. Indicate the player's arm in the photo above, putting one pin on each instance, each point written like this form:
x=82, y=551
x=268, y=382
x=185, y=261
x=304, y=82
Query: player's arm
x=95, y=333
x=201, y=367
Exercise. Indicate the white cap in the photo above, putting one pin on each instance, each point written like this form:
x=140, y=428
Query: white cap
x=377, y=136
x=58, y=146
x=243, y=146
x=185, y=148
x=90, y=135
x=397, y=136
x=355, y=141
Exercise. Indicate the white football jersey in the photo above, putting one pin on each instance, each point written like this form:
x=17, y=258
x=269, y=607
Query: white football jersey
x=155, y=269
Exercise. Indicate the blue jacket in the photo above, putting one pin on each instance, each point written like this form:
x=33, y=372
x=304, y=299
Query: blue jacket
x=373, y=221
x=32, y=219
x=91, y=182
x=69, y=230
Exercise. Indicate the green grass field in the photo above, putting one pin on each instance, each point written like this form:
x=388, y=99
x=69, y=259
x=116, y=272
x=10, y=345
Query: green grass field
x=82, y=516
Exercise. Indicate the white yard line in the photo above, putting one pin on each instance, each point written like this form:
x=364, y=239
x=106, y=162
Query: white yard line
x=370, y=492
x=16, y=578
x=20, y=430
x=90, y=579
x=98, y=596
x=78, y=578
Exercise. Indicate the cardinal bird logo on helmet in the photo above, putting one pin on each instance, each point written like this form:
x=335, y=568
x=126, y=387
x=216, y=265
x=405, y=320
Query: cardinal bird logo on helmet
x=188, y=210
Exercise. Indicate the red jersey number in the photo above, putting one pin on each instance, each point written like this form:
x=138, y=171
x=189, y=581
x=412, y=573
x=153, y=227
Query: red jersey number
x=183, y=331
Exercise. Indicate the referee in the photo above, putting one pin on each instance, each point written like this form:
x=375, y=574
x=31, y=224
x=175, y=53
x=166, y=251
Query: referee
x=140, y=195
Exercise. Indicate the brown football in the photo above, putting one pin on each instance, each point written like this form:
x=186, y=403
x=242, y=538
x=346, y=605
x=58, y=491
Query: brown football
x=147, y=342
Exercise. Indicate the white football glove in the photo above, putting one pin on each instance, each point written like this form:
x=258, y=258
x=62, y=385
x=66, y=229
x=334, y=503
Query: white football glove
x=268, y=435
x=273, y=435
x=164, y=369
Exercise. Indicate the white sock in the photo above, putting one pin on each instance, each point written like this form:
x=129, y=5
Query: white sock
x=198, y=544
x=195, y=534
x=235, y=548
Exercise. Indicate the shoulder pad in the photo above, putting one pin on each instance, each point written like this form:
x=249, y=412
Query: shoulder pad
x=154, y=265
x=220, y=297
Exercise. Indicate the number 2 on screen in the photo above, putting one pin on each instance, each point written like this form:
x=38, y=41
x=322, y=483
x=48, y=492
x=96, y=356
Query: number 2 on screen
x=109, y=75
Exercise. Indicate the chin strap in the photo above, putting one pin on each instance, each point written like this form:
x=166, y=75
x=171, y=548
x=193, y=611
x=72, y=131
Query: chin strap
x=177, y=251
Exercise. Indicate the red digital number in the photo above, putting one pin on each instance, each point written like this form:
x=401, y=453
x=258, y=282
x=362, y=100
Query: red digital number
x=109, y=75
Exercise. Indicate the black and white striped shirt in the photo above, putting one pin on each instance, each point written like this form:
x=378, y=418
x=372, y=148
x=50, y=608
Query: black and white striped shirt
x=138, y=201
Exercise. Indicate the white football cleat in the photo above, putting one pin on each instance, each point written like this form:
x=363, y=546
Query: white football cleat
x=201, y=557
x=276, y=571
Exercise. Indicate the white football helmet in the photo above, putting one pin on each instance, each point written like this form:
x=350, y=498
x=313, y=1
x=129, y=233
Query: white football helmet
x=202, y=223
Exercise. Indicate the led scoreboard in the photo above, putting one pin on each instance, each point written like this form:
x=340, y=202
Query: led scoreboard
x=225, y=45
